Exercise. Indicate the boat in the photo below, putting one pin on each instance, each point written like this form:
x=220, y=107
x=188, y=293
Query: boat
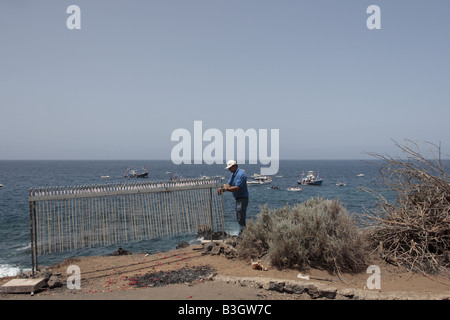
x=360, y=175
x=258, y=180
x=1, y=185
x=133, y=173
x=310, y=179
x=295, y=188
x=340, y=184
x=105, y=177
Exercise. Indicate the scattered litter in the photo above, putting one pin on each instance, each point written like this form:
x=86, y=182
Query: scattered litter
x=258, y=266
x=300, y=276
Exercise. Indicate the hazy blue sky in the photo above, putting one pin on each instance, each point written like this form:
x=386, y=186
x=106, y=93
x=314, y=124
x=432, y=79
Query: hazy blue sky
x=138, y=70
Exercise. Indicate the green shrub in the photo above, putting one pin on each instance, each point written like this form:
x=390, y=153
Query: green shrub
x=318, y=233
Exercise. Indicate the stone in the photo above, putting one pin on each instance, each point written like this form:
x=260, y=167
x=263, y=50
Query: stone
x=54, y=282
x=120, y=252
x=276, y=286
x=230, y=252
x=294, y=288
x=207, y=247
x=216, y=250
x=46, y=274
x=182, y=244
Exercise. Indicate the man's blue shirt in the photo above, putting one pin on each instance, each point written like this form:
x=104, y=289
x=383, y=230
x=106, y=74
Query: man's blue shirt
x=239, y=178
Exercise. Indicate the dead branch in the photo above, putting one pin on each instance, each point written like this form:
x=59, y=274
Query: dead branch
x=415, y=227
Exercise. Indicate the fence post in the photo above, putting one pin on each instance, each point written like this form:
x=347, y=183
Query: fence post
x=34, y=263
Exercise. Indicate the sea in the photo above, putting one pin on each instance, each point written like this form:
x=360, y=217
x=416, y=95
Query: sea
x=19, y=176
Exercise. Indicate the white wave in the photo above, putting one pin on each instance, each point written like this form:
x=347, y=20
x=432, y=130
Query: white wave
x=7, y=270
x=25, y=247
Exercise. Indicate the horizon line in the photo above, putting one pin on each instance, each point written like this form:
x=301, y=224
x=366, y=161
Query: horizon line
x=224, y=161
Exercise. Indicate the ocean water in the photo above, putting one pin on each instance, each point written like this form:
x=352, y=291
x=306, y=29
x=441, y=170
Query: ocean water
x=18, y=177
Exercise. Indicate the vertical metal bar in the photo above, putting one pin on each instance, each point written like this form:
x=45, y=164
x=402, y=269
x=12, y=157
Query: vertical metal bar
x=32, y=235
x=210, y=212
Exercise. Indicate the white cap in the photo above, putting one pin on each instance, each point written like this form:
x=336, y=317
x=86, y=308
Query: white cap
x=230, y=163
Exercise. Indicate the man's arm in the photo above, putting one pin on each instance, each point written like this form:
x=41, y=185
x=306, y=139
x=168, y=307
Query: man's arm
x=230, y=189
x=227, y=187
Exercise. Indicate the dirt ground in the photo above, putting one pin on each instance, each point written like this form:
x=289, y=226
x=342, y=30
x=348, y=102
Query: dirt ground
x=112, y=277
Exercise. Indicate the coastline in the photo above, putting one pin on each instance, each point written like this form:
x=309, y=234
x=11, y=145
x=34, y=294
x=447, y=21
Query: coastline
x=111, y=277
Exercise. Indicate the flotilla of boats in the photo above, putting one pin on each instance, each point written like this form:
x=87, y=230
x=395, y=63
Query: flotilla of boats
x=310, y=178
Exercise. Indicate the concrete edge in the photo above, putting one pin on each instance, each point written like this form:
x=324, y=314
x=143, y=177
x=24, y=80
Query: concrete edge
x=316, y=290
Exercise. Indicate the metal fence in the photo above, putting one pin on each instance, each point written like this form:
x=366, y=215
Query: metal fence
x=77, y=217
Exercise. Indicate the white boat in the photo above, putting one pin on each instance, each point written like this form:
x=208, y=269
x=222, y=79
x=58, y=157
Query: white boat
x=361, y=175
x=133, y=173
x=105, y=177
x=295, y=188
x=260, y=180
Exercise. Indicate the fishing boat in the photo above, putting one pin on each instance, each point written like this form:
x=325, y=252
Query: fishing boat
x=133, y=173
x=310, y=179
x=295, y=188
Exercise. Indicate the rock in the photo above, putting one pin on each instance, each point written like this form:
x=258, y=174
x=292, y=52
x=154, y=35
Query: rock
x=207, y=247
x=46, y=274
x=219, y=235
x=216, y=250
x=276, y=286
x=204, y=231
x=182, y=244
x=231, y=241
x=230, y=252
x=120, y=252
x=54, y=282
x=294, y=288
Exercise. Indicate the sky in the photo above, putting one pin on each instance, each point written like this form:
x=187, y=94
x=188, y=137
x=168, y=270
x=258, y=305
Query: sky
x=136, y=71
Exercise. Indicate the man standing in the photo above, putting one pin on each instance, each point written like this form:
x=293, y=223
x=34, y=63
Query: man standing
x=238, y=185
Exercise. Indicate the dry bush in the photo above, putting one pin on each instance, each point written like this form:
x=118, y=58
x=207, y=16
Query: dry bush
x=414, y=229
x=318, y=233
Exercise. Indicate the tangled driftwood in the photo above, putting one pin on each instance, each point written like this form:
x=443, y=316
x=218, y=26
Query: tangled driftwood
x=414, y=229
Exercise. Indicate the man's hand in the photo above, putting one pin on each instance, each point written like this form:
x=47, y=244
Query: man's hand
x=223, y=189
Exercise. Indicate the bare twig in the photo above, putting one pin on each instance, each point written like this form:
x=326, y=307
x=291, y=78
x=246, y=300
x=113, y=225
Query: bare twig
x=415, y=227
